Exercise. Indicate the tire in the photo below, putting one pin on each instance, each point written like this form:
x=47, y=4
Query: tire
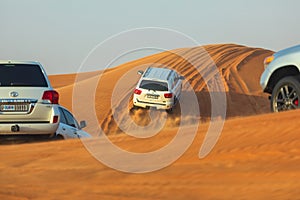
x=58, y=137
x=169, y=111
x=285, y=95
x=135, y=107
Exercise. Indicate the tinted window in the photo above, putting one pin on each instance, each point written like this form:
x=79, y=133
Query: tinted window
x=62, y=116
x=24, y=75
x=154, y=85
x=175, y=79
x=70, y=120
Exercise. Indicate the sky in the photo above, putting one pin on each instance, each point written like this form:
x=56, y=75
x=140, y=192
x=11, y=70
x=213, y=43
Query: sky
x=61, y=34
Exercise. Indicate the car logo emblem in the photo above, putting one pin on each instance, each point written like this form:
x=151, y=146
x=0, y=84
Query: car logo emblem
x=14, y=94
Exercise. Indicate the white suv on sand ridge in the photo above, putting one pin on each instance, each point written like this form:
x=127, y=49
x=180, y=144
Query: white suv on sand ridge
x=159, y=88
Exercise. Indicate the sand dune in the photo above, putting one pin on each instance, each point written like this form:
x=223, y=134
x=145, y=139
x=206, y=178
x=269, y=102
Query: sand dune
x=256, y=157
x=239, y=66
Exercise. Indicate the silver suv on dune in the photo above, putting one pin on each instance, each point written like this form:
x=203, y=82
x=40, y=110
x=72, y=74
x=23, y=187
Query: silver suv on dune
x=281, y=79
x=158, y=88
x=28, y=103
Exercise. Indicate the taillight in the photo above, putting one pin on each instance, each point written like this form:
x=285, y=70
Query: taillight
x=168, y=95
x=51, y=96
x=55, y=119
x=137, y=91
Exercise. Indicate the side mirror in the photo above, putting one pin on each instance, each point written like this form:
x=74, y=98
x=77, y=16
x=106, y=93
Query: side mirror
x=140, y=72
x=82, y=124
x=181, y=77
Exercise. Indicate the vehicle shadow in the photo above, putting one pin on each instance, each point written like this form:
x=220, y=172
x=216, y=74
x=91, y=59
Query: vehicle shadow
x=23, y=139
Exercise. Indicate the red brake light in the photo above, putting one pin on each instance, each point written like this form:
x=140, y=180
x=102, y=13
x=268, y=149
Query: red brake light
x=168, y=95
x=137, y=91
x=52, y=96
x=55, y=119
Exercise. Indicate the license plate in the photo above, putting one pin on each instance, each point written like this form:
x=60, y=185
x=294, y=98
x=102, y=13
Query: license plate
x=16, y=108
x=8, y=107
x=151, y=96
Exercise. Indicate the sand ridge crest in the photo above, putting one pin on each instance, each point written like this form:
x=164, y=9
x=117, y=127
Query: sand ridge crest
x=236, y=63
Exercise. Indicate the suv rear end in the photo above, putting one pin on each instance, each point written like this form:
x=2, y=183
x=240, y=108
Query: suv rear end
x=158, y=88
x=28, y=104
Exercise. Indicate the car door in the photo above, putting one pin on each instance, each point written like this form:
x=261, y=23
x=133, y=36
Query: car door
x=177, y=84
x=69, y=125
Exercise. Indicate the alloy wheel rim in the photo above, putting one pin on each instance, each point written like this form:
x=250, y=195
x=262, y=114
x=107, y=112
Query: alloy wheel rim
x=286, y=98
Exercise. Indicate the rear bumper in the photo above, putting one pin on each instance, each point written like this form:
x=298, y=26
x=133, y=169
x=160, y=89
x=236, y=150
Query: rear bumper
x=28, y=129
x=16, y=139
x=157, y=105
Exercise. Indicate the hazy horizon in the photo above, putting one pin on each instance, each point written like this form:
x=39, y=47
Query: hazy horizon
x=60, y=34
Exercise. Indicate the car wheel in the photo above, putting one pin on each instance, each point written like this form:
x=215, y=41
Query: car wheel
x=169, y=111
x=285, y=95
x=58, y=137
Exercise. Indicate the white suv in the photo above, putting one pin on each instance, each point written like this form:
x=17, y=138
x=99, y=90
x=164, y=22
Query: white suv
x=159, y=88
x=28, y=103
x=281, y=79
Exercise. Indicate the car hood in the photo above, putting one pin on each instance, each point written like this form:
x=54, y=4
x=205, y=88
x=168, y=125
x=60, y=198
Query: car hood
x=290, y=50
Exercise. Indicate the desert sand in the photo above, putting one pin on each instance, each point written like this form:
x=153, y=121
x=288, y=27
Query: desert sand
x=256, y=157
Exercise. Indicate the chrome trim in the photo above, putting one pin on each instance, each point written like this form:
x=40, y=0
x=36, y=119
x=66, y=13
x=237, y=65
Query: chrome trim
x=18, y=100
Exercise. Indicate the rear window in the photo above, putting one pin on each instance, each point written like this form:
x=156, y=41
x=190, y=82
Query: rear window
x=154, y=85
x=21, y=75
